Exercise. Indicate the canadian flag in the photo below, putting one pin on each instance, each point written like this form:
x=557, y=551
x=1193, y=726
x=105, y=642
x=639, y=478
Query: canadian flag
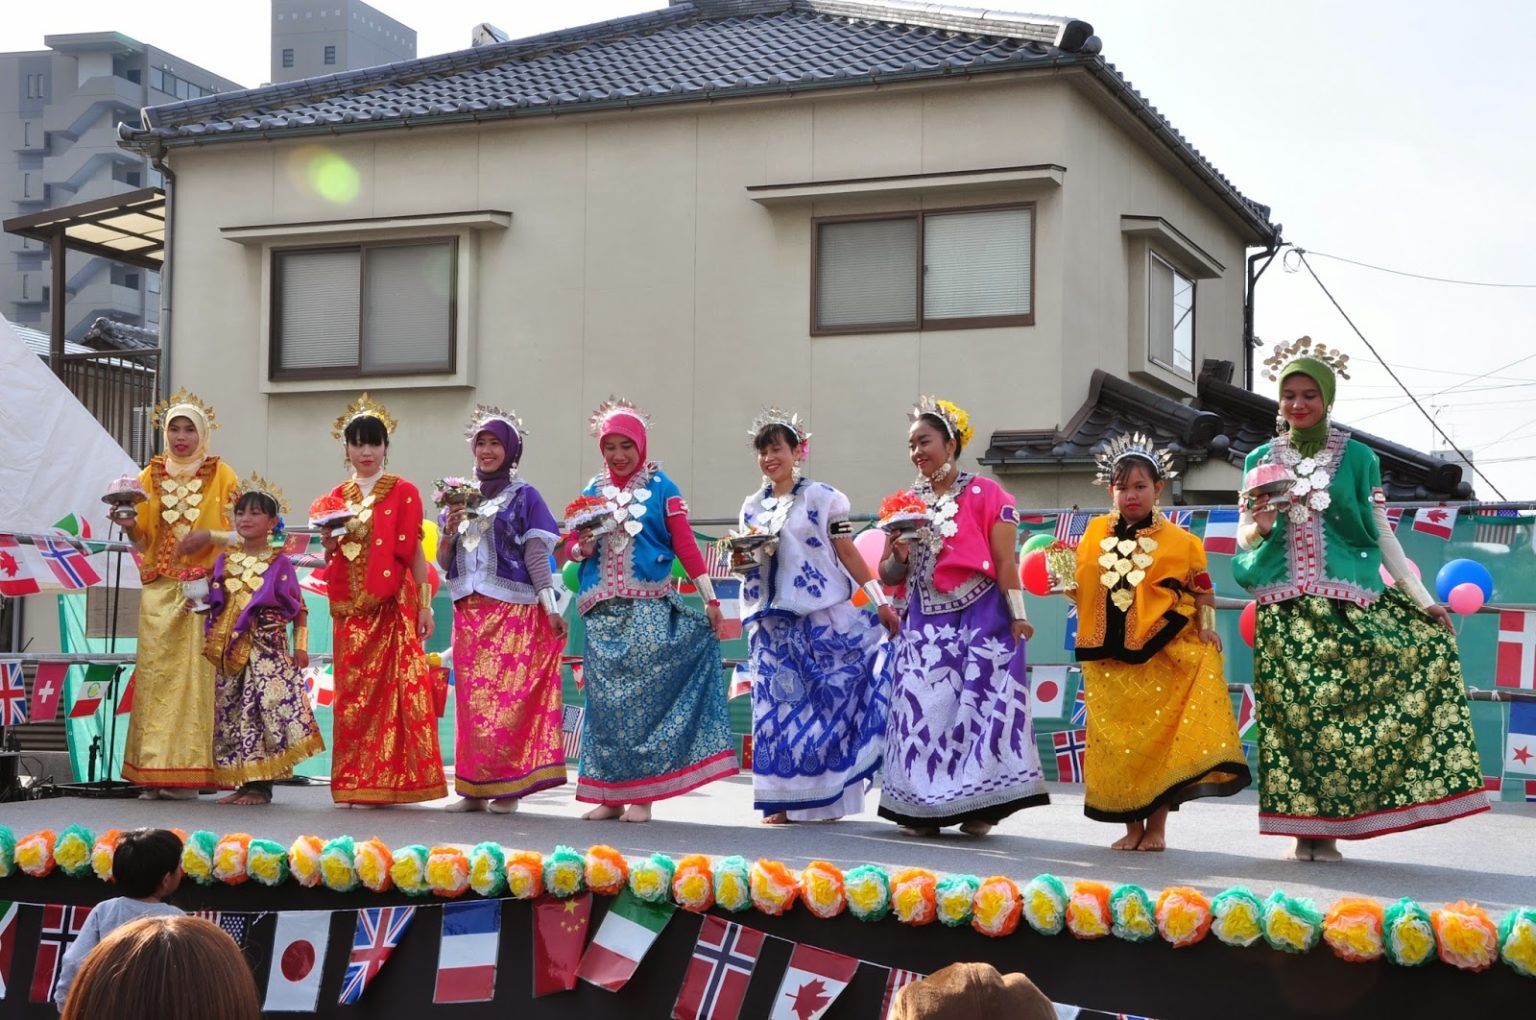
x=1439, y=521
x=811, y=983
x=1516, y=664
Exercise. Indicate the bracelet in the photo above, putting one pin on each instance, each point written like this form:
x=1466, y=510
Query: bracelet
x=424, y=593
x=1016, y=605
x=877, y=596
x=706, y=589
x=301, y=639
x=1207, y=617
x=547, y=600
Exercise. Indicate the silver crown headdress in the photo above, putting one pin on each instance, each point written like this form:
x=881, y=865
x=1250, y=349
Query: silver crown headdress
x=1132, y=444
x=488, y=413
x=776, y=416
x=612, y=406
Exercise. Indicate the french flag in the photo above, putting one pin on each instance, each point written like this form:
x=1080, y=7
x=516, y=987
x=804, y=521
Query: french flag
x=466, y=960
x=728, y=591
x=1221, y=532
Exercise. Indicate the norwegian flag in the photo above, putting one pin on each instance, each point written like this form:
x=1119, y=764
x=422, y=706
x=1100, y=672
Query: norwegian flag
x=379, y=930
x=1070, y=528
x=1436, y=520
x=718, y=974
x=570, y=731
x=71, y=567
x=234, y=925
x=61, y=925
x=13, y=694
x=897, y=980
x=1516, y=664
x=1070, y=745
x=1394, y=517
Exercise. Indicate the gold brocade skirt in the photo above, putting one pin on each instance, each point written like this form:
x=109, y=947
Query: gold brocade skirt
x=170, y=728
x=1160, y=732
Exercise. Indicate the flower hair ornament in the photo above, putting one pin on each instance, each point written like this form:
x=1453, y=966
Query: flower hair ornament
x=1283, y=354
x=486, y=413
x=957, y=424
x=615, y=406
x=257, y=484
x=179, y=402
x=363, y=407
x=1132, y=444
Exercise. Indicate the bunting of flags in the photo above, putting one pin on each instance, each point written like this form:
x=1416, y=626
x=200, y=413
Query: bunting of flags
x=719, y=972
x=61, y=926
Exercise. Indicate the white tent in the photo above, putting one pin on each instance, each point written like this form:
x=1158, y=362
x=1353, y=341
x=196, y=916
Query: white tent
x=55, y=458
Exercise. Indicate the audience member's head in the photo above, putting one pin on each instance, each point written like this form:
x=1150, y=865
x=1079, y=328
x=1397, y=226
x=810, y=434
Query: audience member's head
x=969, y=991
x=147, y=862
x=169, y=968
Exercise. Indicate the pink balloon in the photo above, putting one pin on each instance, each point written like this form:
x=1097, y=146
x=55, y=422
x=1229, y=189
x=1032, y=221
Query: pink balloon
x=871, y=545
x=1466, y=598
x=1386, y=578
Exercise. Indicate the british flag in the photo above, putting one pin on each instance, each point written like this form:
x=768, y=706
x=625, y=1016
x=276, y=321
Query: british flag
x=1183, y=518
x=70, y=566
x=570, y=731
x=234, y=925
x=1070, y=745
x=379, y=930
x=1070, y=528
x=61, y=925
x=13, y=694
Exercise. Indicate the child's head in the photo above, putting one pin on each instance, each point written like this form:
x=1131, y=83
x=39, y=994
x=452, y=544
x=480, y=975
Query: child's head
x=255, y=514
x=147, y=862
x=1135, y=485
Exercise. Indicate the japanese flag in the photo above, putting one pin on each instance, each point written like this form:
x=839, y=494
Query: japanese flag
x=1047, y=691
x=298, y=959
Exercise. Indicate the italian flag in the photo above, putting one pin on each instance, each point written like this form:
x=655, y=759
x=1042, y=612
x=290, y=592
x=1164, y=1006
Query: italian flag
x=627, y=931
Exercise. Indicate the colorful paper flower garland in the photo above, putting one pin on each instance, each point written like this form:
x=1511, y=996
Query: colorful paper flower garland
x=1355, y=929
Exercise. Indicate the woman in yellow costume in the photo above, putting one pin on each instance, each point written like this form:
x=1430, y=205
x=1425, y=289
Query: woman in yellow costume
x=1160, y=725
x=169, y=750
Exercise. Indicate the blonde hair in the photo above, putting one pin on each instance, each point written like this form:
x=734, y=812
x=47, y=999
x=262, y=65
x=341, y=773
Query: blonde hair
x=170, y=968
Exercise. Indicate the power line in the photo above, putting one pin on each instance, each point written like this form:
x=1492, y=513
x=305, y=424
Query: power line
x=1302, y=257
x=1419, y=276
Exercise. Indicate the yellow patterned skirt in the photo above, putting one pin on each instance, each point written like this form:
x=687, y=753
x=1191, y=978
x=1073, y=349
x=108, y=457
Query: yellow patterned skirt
x=170, y=729
x=1159, y=733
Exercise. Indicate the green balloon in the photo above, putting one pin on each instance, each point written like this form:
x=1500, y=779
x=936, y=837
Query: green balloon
x=571, y=574
x=1040, y=541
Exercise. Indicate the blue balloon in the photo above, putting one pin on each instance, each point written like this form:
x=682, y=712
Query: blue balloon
x=1463, y=572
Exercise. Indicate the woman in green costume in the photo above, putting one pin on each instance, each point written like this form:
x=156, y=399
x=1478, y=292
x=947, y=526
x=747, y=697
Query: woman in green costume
x=1363, y=720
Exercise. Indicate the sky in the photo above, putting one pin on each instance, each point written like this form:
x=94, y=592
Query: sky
x=1390, y=133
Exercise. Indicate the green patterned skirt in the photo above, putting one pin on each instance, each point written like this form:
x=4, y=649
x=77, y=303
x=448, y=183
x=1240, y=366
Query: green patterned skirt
x=1363, y=721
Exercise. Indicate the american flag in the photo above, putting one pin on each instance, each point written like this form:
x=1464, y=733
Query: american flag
x=570, y=731
x=1070, y=745
x=1501, y=527
x=897, y=980
x=379, y=930
x=235, y=925
x=1070, y=528
x=717, y=559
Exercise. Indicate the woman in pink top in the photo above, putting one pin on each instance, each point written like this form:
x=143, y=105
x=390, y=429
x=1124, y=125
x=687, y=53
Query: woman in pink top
x=960, y=746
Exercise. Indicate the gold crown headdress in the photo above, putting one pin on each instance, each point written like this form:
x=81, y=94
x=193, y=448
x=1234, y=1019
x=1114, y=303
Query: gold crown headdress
x=1336, y=360
x=612, y=406
x=256, y=483
x=488, y=413
x=182, y=398
x=1132, y=444
x=776, y=416
x=956, y=422
x=363, y=407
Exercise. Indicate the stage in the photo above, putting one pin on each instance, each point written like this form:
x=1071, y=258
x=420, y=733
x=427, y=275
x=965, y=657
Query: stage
x=1485, y=859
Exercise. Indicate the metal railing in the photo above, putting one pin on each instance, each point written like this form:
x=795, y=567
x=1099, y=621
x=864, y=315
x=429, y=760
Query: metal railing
x=119, y=388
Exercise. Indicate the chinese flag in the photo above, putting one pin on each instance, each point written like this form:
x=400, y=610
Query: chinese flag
x=559, y=935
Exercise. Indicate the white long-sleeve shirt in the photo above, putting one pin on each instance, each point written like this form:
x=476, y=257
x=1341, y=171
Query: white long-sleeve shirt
x=105, y=918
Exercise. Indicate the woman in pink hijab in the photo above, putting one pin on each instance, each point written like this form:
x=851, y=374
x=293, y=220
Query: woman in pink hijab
x=656, y=724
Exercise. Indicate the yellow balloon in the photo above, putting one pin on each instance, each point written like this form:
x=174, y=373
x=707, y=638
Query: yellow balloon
x=429, y=539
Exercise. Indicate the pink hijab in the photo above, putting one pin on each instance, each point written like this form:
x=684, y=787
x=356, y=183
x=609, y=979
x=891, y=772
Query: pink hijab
x=628, y=424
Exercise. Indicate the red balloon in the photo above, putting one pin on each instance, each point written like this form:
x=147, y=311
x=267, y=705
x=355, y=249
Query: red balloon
x=1246, y=622
x=1034, y=575
x=432, y=577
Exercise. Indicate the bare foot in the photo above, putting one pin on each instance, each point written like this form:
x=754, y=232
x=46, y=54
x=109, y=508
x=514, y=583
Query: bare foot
x=603, y=813
x=1302, y=851
x=1130, y=840
x=777, y=818
x=925, y=831
x=151, y=793
x=246, y=799
x=466, y=804
x=1326, y=850
x=1152, y=842
x=975, y=828
x=637, y=813
x=226, y=799
x=504, y=806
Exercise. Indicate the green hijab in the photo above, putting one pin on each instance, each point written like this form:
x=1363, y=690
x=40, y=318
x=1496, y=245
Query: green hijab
x=1309, y=440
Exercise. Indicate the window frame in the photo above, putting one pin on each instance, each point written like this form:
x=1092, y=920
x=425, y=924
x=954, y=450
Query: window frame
x=1194, y=313
x=328, y=55
x=287, y=57
x=277, y=374
x=920, y=323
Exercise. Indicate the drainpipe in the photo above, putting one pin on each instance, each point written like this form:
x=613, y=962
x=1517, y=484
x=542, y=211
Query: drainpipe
x=168, y=181
x=1249, y=340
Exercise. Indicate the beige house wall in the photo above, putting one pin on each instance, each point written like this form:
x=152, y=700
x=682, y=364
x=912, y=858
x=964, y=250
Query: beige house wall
x=636, y=262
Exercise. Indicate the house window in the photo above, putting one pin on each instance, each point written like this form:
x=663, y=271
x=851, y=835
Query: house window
x=287, y=58
x=1170, y=317
x=949, y=269
x=330, y=54
x=385, y=308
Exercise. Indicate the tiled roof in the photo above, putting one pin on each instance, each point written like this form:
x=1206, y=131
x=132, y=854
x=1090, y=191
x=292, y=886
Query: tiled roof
x=1224, y=421
x=109, y=334
x=708, y=49
x=38, y=342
